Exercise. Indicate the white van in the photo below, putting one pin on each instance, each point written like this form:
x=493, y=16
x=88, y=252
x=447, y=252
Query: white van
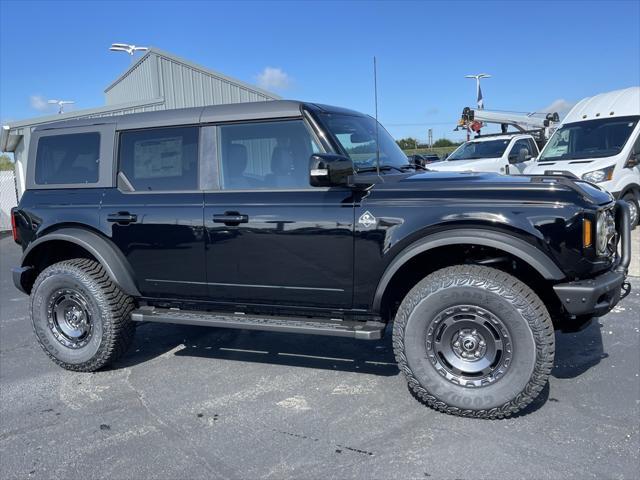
x=599, y=141
x=503, y=153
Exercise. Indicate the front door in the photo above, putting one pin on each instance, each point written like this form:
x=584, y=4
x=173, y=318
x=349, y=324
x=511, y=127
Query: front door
x=517, y=167
x=155, y=214
x=271, y=238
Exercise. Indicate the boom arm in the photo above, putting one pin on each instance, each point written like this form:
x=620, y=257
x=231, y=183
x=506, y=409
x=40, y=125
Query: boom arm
x=518, y=120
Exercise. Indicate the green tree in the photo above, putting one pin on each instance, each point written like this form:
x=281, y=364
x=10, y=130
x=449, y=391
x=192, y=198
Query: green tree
x=5, y=162
x=443, y=142
x=407, y=143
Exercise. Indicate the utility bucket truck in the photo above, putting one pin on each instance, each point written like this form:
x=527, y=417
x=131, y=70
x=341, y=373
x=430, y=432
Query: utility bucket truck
x=508, y=152
x=599, y=141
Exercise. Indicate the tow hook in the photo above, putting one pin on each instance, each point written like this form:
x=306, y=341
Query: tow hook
x=626, y=290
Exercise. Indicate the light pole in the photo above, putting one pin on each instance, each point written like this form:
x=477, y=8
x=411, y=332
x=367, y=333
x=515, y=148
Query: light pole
x=480, y=99
x=61, y=104
x=478, y=90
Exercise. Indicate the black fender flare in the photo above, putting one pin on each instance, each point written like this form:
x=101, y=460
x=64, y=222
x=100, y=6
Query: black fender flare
x=528, y=253
x=101, y=248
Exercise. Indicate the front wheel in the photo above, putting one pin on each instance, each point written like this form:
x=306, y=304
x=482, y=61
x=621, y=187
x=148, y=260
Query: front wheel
x=474, y=341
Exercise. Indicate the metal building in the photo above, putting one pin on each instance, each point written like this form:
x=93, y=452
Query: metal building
x=156, y=81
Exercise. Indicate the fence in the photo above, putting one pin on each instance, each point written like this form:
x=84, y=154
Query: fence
x=8, y=198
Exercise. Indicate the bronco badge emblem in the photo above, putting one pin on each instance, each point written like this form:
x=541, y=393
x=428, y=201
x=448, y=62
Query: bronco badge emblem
x=367, y=220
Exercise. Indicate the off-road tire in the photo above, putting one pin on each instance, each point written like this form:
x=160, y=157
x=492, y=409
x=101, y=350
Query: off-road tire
x=110, y=310
x=522, y=313
x=631, y=199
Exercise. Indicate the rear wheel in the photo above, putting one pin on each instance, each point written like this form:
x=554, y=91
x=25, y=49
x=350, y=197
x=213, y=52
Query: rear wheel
x=81, y=318
x=474, y=341
x=632, y=201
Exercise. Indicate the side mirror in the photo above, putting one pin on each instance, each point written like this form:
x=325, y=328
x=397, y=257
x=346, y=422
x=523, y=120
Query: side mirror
x=418, y=161
x=329, y=170
x=633, y=160
x=521, y=156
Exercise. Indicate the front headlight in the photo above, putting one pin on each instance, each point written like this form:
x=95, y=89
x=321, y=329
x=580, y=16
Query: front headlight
x=605, y=233
x=598, y=176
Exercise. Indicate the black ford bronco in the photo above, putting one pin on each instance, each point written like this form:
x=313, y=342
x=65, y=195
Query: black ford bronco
x=303, y=218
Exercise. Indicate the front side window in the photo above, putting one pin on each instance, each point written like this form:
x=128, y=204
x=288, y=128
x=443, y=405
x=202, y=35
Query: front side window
x=520, y=144
x=68, y=159
x=604, y=137
x=160, y=158
x=478, y=150
x=265, y=155
x=362, y=139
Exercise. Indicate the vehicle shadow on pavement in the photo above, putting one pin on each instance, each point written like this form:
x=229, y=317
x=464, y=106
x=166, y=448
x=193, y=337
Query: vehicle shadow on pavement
x=307, y=351
x=578, y=352
x=575, y=352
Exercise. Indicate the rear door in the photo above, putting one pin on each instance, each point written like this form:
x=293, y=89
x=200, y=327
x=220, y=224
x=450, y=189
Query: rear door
x=271, y=237
x=155, y=214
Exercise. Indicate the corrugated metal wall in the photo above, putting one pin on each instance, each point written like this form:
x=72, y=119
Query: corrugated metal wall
x=184, y=86
x=180, y=85
x=139, y=84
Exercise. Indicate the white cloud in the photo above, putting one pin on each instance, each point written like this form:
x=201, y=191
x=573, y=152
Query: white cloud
x=38, y=102
x=560, y=105
x=274, y=78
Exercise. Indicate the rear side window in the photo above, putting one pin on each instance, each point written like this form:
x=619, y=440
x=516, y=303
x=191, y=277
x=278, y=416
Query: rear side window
x=160, y=159
x=68, y=159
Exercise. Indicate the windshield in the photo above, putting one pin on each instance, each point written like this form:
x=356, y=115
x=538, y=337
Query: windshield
x=357, y=136
x=589, y=139
x=477, y=150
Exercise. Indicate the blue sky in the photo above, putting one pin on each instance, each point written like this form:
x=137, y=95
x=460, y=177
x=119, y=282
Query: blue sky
x=538, y=53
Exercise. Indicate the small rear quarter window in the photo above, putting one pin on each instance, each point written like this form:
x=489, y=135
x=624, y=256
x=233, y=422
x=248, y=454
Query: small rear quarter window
x=68, y=159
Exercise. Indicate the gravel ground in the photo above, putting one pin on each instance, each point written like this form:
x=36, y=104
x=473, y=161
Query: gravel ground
x=190, y=402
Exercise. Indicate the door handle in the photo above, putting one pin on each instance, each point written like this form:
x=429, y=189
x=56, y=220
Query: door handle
x=231, y=218
x=123, y=218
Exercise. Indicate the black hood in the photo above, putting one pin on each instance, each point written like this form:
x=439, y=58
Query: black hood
x=480, y=184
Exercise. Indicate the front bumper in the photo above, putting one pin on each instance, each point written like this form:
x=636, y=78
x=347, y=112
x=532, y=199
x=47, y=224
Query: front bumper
x=597, y=296
x=594, y=297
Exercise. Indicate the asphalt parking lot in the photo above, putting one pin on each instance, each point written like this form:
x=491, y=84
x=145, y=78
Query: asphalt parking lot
x=191, y=402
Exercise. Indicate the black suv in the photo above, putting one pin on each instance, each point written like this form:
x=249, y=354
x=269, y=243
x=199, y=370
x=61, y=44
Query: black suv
x=304, y=218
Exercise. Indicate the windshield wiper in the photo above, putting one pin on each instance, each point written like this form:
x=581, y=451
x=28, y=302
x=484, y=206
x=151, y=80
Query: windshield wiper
x=413, y=167
x=383, y=168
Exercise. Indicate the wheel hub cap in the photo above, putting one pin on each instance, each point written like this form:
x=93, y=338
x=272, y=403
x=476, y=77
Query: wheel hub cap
x=469, y=346
x=69, y=319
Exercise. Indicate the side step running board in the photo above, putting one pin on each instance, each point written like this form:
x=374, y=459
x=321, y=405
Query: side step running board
x=311, y=326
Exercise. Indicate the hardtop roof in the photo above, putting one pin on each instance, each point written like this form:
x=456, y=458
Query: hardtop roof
x=208, y=114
